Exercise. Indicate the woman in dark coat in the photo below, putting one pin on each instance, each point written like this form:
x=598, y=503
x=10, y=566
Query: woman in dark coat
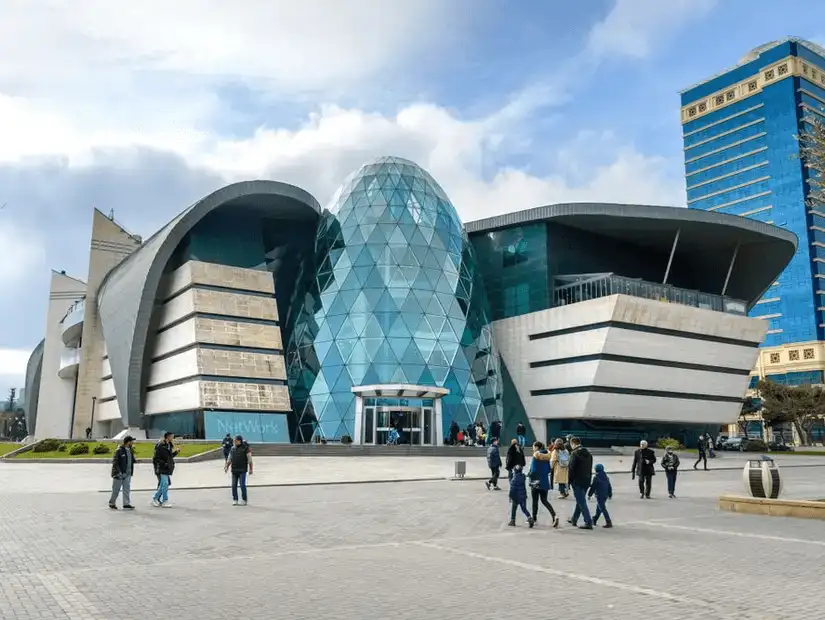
x=515, y=456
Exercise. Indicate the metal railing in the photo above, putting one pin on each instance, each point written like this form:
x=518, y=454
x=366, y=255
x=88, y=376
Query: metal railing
x=572, y=289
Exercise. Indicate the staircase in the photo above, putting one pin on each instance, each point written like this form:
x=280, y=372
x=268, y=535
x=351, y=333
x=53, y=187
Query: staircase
x=339, y=450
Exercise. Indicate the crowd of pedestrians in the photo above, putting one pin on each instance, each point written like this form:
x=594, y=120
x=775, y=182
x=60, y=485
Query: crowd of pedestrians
x=568, y=466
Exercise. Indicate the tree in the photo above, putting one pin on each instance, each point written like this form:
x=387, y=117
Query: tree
x=749, y=406
x=812, y=152
x=10, y=404
x=803, y=406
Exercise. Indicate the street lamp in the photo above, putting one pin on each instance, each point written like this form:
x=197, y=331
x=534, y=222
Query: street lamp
x=92, y=422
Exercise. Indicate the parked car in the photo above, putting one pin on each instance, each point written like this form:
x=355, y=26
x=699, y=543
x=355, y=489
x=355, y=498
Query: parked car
x=720, y=440
x=734, y=443
x=776, y=446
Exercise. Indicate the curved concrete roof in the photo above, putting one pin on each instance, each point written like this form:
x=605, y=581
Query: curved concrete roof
x=34, y=368
x=127, y=296
x=764, y=249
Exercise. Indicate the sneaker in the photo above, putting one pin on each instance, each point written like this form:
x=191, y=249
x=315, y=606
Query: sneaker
x=511, y=524
x=607, y=526
x=166, y=505
x=531, y=522
x=642, y=496
x=670, y=496
x=234, y=502
x=112, y=507
x=155, y=503
x=556, y=522
x=244, y=503
x=571, y=522
x=488, y=485
x=128, y=507
x=585, y=527
x=496, y=488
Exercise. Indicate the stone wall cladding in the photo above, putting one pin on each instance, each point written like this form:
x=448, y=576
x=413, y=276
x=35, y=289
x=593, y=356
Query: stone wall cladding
x=213, y=274
x=223, y=363
x=236, y=304
x=237, y=334
x=244, y=396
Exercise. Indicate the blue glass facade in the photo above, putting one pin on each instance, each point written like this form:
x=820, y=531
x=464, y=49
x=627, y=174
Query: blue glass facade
x=742, y=158
x=395, y=298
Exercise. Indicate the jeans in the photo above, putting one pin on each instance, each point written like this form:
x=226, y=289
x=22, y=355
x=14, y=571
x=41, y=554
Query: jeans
x=562, y=488
x=541, y=494
x=645, y=482
x=521, y=440
x=238, y=477
x=601, y=509
x=702, y=457
x=496, y=471
x=162, y=494
x=518, y=504
x=671, y=481
x=580, y=493
x=124, y=484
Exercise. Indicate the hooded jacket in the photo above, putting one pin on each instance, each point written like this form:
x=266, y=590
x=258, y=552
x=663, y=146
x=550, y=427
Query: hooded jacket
x=518, y=488
x=493, y=457
x=600, y=487
x=540, y=471
x=515, y=456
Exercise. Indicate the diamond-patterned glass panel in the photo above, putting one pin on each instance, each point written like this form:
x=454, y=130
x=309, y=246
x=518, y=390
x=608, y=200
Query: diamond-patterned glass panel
x=396, y=298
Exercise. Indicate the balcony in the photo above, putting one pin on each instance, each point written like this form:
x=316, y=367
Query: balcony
x=571, y=289
x=69, y=363
x=72, y=324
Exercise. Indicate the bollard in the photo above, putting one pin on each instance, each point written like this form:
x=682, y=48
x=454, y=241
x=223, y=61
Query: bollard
x=460, y=469
x=762, y=479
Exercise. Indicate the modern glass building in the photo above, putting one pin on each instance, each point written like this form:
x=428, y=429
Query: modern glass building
x=740, y=131
x=255, y=311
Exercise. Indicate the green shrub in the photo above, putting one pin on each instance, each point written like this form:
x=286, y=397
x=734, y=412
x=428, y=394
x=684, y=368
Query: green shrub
x=755, y=445
x=61, y=447
x=101, y=448
x=79, y=448
x=47, y=445
x=664, y=442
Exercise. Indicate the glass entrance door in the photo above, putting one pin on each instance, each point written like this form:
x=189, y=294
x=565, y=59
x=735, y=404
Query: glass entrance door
x=396, y=425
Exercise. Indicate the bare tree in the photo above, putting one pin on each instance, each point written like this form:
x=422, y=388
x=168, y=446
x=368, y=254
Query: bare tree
x=812, y=153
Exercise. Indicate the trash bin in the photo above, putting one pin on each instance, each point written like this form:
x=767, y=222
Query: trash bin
x=460, y=469
x=761, y=478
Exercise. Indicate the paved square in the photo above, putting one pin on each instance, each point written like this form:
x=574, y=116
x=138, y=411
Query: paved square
x=407, y=551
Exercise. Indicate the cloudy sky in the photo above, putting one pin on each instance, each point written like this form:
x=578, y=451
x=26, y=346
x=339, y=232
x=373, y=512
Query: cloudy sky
x=143, y=107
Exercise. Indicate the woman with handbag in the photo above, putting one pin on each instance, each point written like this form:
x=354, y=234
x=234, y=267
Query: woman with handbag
x=560, y=461
x=540, y=481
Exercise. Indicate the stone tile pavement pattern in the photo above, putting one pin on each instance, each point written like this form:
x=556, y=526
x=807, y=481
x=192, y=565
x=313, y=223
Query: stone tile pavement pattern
x=406, y=551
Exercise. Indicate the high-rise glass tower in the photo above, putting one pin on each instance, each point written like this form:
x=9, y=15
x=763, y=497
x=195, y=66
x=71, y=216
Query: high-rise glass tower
x=740, y=131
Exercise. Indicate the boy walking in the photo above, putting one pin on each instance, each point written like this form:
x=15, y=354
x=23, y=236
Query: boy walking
x=494, y=463
x=518, y=496
x=240, y=461
x=603, y=490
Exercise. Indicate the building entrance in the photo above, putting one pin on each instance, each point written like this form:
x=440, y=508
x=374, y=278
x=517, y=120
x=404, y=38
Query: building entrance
x=398, y=414
x=399, y=425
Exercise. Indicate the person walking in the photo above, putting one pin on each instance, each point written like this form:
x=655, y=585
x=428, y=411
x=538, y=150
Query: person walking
x=240, y=462
x=123, y=468
x=515, y=456
x=518, y=496
x=643, y=461
x=227, y=444
x=580, y=469
x=494, y=463
x=540, y=481
x=453, y=438
x=670, y=463
x=603, y=490
x=560, y=462
x=702, y=445
x=521, y=431
x=164, y=462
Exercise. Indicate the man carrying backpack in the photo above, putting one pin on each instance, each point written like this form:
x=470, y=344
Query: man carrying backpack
x=240, y=461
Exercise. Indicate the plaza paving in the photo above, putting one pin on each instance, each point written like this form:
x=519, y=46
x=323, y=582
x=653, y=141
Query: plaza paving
x=436, y=549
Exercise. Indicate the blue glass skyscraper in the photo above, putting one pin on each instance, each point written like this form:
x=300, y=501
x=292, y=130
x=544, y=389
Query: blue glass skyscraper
x=740, y=131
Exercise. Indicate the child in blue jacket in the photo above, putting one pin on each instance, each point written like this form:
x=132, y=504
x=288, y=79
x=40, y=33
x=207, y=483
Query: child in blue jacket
x=603, y=490
x=518, y=496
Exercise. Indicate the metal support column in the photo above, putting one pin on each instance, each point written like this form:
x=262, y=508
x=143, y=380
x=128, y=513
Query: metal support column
x=730, y=269
x=672, y=252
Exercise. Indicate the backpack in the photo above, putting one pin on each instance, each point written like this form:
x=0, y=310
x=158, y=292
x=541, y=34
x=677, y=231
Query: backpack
x=564, y=458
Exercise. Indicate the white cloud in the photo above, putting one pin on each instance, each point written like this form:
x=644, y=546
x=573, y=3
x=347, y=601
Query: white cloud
x=633, y=26
x=13, y=366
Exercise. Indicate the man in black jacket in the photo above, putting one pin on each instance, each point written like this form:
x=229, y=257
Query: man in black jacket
x=123, y=467
x=240, y=461
x=164, y=462
x=579, y=472
x=644, y=460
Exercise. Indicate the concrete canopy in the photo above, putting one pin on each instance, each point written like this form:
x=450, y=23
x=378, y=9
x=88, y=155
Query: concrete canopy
x=128, y=295
x=708, y=240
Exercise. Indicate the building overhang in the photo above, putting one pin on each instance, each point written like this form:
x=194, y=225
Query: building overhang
x=399, y=390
